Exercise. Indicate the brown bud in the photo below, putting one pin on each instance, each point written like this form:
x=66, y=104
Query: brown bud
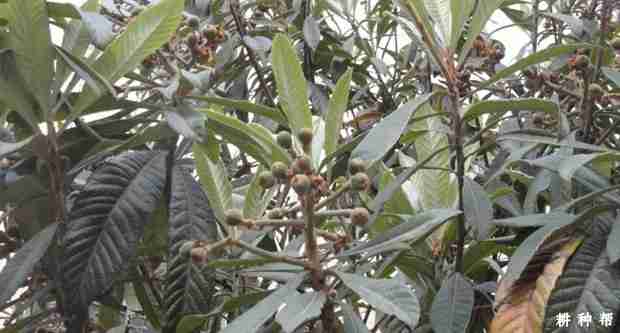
x=360, y=182
x=359, y=216
x=266, y=179
x=301, y=184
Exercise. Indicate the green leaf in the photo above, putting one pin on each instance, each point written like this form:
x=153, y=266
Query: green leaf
x=382, y=137
x=478, y=208
x=499, y=107
x=32, y=43
x=143, y=36
x=13, y=91
x=7, y=148
x=613, y=243
x=244, y=106
x=299, y=309
x=261, y=312
x=416, y=227
x=533, y=59
x=540, y=184
x=335, y=112
x=481, y=15
x=453, y=305
x=312, y=32
x=145, y=302
x=589, y=284
x=386, y=295
x=461, y=10
x=352, y=323
x=214, y=180
x=291, y=84
x=93, y=79
x=19, y=267
x=257, y=198
x=187, y=122
x=189, y=286
x=551, y=141
x=612, y=75
x=521, y=257
x=534, y=220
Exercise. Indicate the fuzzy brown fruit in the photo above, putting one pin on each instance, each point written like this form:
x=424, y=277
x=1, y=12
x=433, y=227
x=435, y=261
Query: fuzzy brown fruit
x=301, y=184
x=305, y=136
x=360, y=182
x=360, y=216
x=266, y=179
x=302, y=165
x=234, y=217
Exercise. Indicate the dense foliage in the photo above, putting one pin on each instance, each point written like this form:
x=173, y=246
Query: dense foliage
x=309, y=166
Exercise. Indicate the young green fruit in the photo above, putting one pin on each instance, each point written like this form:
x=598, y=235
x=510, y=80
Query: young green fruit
x=234, y=217
x=596, y=90
x=285, y=140
x=279, y=170
x=615, y=43
x=301, y=184
x=266, y=179
x=359, y=216
x=360, y=182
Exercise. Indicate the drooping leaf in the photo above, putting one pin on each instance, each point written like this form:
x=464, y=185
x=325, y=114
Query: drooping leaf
x=335, y=112
x=189, y=287
x=352, y=323
x=589, y=284
x=106, y=222
x=214, y=180
x=93, y=79
x=291, y=84
x=453, y=305
x=300, y=308
x=521, y=310
x=499, y=107
x=33, y=47
x=251, y=320
x=312, y=32
x=416, y=227
x=143, y=36
x=383, y=136
x=386, y=295
x=19, y=267
x=478, y=208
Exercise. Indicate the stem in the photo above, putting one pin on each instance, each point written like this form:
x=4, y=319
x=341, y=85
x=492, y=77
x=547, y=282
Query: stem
x=311, y=244
x=460, y=174
x=536, y=13
x=270, y=255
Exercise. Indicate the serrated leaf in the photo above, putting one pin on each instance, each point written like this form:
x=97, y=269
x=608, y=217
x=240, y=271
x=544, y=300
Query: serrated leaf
x=382, y=137
x=352, y=323
x=453, y=305
x=416, y=227
x=533, y=59
x=106, y=222
x=300, y=308
x=589, y=284
x=312, y=32
x=143, y=36
x=189, y=286
x=386, y=295
x=93, y=79
x=13, y=91
x=335, y=112
x=251, y=320
x=30, y=33
x=214, y=180
x=19, y=267
x=521, y=310
x=499, y=107
x=528, y=248
x=291, y=84
x=478, y=208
